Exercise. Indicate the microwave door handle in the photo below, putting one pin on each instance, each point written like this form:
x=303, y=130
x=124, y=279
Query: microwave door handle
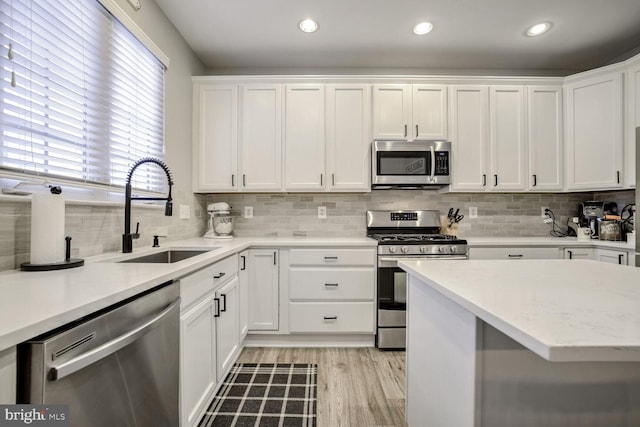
x=433, y=164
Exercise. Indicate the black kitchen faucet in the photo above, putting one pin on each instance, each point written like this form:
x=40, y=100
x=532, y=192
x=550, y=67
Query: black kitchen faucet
x=127, y=237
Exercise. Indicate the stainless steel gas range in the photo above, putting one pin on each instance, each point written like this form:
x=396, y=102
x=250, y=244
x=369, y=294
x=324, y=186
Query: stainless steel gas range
x=404, y=235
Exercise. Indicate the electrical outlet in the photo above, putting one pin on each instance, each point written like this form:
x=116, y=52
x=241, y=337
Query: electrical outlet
x=185, y=212
x=542, y=211
x=248, y=212
x=322, y=212
x=473, y=212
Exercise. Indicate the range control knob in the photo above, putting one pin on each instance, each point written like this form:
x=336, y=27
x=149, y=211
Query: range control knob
x=423, y=249
x=453, y=249
x=392, y=249
x=443, y=249
x=405, y=249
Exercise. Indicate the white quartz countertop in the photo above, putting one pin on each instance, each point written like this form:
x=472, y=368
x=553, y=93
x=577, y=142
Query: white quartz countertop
x=562, y=310
x=547, y=241
x=33, y=303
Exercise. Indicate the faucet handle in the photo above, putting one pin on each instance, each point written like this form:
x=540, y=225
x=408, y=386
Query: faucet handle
x=156, y=242
x=136, y=235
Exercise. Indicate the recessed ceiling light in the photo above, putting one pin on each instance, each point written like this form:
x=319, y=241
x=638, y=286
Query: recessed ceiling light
x=537, y=29
x=423, y=28
x=308, y=25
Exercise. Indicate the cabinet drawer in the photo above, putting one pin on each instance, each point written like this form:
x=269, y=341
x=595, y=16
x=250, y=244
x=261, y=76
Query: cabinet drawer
x=332, y=283
x=196, y=285
x=351, y=317
x=514, y=253
x=332, y=256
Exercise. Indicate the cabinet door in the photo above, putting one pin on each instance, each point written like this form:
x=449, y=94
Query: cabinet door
x=633, y=121
x=429, y=104
x=8, y=376
x=304, y=137
x=260, y=144
x=227, y=327
x=594, y=133
x=243, y=293
x=263, y=289
x=197, y=359
x=611, y=256
x=578, y=253
x=391, y=111
x=469, y=137
x=507, y=138
x=348, y=137
x=545, y=137
x=216, y=138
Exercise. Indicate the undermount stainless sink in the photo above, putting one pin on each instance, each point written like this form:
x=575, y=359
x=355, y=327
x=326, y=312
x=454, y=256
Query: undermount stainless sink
x=168, y=256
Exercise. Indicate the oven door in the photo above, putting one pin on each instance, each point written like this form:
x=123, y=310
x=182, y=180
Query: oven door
x=392, y=294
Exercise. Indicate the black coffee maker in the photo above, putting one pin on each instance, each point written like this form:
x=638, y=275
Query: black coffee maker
x=592, y=213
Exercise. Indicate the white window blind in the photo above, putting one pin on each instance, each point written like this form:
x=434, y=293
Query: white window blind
x=81, y=98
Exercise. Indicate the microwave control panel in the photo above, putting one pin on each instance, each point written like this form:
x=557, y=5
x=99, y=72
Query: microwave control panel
x=442, y=163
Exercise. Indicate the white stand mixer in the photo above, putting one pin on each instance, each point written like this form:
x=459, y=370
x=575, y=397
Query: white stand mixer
x=220, y=224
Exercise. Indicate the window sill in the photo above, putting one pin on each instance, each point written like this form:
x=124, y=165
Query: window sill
x=79, y=202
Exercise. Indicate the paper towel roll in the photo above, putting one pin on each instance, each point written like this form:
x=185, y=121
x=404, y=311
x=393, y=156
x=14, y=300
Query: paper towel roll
x=47, y=228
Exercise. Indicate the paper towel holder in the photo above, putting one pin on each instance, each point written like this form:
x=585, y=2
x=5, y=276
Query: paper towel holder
x=62, y=265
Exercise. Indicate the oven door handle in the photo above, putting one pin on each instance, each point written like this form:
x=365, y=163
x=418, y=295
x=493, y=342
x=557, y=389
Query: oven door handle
x=393, y=261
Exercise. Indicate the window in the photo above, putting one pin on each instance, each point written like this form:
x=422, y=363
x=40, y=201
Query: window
x=80, y=97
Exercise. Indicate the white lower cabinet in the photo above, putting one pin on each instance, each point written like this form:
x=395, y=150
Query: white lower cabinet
x=612, y=256
x=197, y=359
x=332, y=290
x=328, y=317
x=578, y=253
x=243, y=293
x=227, y=330
x=209, y=334
x=8, y=376
x=514, y=253
x=263, y=290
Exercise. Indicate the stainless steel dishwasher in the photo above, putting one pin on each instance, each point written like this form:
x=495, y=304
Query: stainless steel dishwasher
x=119, y=367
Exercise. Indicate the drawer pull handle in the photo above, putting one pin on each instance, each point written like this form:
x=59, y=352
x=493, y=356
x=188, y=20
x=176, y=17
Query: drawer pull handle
x=219, y=275
x=570, y=254
x=216, y=302
x=620, y=257
x=330, y=317
x=331, y=284
x=331, y=258
x=516, y=256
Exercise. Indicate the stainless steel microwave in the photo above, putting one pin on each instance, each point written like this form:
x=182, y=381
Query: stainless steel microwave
x=415, y=164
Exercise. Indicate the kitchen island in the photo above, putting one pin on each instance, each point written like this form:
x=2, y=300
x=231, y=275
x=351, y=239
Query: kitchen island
x=528, y=343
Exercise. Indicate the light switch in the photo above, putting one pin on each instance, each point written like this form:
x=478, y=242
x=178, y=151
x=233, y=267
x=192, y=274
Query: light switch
x=185, y=212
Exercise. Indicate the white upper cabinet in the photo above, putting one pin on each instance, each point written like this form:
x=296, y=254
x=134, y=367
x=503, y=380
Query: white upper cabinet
x=348, y=128
x=469, y=137
x=391, y=111
x=304, y=139
x=594, y=126
x=409, y=112
x=260, y=147
x=545, y=137
x=215, y=138
x=507, y=138
x=429, y=112
x=632, y=122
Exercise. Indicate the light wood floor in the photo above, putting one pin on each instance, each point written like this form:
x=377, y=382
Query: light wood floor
x=357, y=387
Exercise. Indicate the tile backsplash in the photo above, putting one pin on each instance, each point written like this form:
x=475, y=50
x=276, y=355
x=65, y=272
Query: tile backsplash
x=98, y=229
x=499, y=214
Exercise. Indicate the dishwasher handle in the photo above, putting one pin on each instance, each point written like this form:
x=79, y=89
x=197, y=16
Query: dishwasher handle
x=85, y=359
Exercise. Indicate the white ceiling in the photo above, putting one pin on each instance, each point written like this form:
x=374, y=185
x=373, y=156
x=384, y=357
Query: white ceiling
x=369, y=35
